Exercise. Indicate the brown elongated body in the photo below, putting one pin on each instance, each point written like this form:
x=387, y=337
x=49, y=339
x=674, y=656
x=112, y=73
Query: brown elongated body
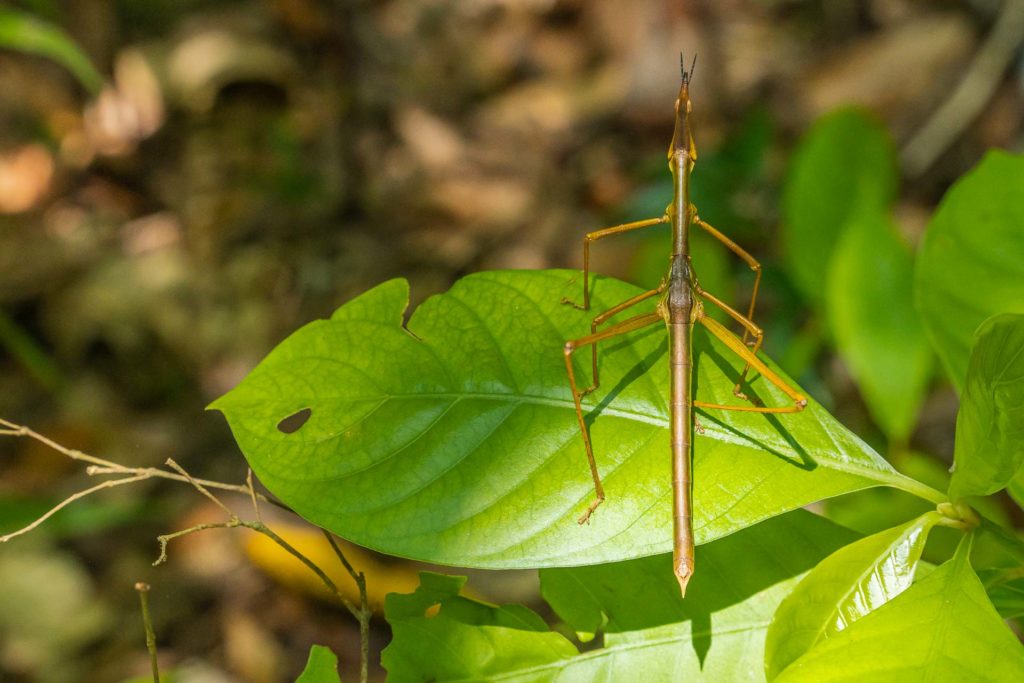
x=680, y=306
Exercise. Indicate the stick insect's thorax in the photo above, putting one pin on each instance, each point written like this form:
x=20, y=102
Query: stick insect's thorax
x=678, y=297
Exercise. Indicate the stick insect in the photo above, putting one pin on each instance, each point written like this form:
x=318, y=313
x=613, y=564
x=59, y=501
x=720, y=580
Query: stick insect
x=681, y=302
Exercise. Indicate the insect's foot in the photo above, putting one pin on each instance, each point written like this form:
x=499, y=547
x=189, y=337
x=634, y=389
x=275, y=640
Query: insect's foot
x=588, y=390
x=738, y=393
x=697, y=426
x=569, y=302
x=585, y=517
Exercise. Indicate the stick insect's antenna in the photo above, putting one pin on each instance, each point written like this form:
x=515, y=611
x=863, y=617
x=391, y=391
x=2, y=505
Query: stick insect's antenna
x=687, y=76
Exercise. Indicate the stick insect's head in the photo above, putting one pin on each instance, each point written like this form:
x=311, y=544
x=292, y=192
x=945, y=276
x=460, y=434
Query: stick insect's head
x=682, y=138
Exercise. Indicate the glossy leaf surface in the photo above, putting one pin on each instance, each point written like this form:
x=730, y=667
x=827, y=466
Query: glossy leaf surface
x=969, y=266
x=943, y=628
x=456, y=441
x=845, y=165
x=874, y=322
x=989, y=448
x=845, y=587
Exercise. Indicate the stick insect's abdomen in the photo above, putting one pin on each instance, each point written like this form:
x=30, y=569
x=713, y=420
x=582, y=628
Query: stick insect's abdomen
x=681, y=367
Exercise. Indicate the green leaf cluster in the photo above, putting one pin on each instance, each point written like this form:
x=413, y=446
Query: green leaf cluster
x=452, y=438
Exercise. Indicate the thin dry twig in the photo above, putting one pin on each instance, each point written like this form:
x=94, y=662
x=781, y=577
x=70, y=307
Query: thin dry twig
x=252, y=494
x=364, y=607
x=109, y=484
x=976, y=86
x=199, y=487
x=99, y=466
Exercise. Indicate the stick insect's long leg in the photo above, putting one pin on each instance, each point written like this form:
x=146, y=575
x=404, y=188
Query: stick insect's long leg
x=741, y=350
x=749, y=327
x=755, y=266
x=625, y=326
x=613, y=311
x=599, y=234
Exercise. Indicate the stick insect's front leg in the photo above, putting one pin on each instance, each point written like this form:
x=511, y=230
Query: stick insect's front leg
x=754, y=266
x=624, y=327
x=600, y=234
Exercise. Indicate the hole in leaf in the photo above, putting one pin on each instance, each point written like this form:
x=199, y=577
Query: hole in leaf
x=294, y=422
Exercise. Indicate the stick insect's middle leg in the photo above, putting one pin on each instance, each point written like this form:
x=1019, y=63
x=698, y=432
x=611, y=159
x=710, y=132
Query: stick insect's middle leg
x=621, y=328
x=603, y=317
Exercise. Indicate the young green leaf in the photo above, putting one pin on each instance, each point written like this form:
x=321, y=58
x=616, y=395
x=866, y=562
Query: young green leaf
x=942, y=628
x=969, y=266
x=845, y=587
x=717, y=634
x=457, y=442
x=845, y=164
x=872, y=316
x=989, y=449
x=322, y=667
x=23, y=32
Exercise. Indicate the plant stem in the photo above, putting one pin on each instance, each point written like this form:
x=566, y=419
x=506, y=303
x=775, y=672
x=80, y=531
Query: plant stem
x=364, y=609
x=143, y=589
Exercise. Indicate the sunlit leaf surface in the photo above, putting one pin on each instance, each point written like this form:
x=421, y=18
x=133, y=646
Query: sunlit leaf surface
x=456, y=441
x=943, y=628
x=844, y=588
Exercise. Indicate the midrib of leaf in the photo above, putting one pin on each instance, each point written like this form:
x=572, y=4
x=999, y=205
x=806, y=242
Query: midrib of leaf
x=882, y=476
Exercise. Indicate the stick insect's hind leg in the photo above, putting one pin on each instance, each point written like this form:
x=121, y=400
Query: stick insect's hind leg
x=613, y=311
x=749, y=328
x=600, y=234
x=755, y=266
x=625, y=326
x=740, y=349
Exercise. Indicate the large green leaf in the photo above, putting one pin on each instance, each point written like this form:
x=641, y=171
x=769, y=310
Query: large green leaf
x=23, y=32
x=970, y=266
x=943, y=628
x=321, y=667
x=456, y=441
x=716, y=634
x=844, y=588
x=845, y=164
x=989, y=448
x=872, y=316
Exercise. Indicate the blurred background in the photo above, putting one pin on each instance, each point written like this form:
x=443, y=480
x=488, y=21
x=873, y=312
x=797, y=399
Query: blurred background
x=185, y=182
